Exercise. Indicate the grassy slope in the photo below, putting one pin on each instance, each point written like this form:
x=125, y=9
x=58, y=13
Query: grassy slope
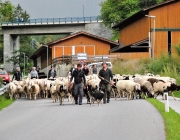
x=5, y=101
x=171, y=120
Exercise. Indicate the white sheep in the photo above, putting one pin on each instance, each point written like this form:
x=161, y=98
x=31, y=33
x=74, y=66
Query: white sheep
x=128, y=86
x=11, y=89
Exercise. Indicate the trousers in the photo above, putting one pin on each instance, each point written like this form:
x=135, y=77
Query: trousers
x=78, y=88
x=107, y=91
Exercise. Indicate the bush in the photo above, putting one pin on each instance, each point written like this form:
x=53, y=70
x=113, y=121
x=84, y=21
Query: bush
x=126, y=67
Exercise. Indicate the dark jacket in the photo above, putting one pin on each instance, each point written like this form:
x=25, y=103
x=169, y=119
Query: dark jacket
x=17, y=75
x=78, y=76
x=86, y=71
x=71, y=71
x=49, y=74
x=106, y=75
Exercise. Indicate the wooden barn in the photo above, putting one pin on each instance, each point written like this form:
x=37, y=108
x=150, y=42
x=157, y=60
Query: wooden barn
x=79, y=42
x=150, y=32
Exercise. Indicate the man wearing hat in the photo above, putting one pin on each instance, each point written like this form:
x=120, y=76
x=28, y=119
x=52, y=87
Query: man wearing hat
x=79, y=77
x=106, y=75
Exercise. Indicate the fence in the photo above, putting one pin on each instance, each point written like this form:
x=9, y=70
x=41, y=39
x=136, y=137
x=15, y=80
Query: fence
x=90, y=58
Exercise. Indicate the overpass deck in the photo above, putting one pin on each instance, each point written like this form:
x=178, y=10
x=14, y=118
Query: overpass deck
x=51, y=21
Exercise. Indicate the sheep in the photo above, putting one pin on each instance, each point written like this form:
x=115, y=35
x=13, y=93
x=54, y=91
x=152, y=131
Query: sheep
x=19, y=91
x=128, y=86
x=35, y=90
x=29, y=89
x=153, y=80
x=146, y=87
x=172, y=88
x=11, y=89
x=159, y=88
x=53, y=92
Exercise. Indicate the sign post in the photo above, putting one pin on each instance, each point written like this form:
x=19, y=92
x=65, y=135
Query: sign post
x=82, y=57
x=166, y=101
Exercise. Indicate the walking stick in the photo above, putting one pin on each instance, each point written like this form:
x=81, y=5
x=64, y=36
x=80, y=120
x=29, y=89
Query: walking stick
x=106, y=80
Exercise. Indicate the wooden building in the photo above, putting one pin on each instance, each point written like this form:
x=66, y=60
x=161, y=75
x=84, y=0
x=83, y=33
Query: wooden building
x=79, y=42
x=137, y=37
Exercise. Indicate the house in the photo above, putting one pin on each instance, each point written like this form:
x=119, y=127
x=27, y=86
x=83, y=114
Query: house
x=78, y=42
x=150, y=32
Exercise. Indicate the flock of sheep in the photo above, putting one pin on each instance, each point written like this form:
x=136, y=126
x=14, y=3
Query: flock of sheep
x=130, y=86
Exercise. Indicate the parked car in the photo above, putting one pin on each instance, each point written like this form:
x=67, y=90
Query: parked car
x=99, y=65
x=5, y=76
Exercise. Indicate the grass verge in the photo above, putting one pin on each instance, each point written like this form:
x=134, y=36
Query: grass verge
x=5, y=101
x=176, y=94
x=171, y=120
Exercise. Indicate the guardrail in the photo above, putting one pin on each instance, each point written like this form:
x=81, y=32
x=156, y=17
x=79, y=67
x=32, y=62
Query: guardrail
x=3, y=89
x=53, y=21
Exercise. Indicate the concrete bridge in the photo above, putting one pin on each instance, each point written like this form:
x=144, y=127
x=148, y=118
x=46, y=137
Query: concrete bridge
x=12, y=30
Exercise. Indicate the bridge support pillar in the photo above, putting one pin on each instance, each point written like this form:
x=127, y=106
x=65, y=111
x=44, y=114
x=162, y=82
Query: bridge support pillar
x=11, y=43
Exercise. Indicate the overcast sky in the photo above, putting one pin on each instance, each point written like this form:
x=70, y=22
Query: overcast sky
x=59, y=8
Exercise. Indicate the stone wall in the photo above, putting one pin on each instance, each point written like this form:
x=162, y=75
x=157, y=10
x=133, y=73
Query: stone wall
x=99, y=29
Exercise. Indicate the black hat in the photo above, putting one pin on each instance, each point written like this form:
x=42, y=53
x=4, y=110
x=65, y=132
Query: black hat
x=79, y=65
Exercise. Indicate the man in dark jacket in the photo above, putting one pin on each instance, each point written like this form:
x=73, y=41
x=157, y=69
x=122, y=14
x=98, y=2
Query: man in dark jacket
x=106, y=77
x=79, y=77
x=17, y=75
x=52, y=73
x=86, y=70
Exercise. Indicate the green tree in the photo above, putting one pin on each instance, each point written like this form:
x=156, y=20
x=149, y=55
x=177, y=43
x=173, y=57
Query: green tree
x=114, y=11
x=147, y=3
x=6, y=11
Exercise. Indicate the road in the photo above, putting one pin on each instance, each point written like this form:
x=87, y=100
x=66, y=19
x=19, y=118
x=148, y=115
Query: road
x=175, y=105
x=44, y=120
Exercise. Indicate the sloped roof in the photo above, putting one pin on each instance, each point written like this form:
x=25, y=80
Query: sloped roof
x=140, y=46
x=83, y=33
x=141, y=14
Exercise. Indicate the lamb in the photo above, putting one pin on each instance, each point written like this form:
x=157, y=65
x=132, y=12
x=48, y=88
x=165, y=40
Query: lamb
x=128, y=86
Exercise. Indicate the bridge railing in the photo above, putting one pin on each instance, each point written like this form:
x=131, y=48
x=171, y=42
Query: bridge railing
x=54, y=21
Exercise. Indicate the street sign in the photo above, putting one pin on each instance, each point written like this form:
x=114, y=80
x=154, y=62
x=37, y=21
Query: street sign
x=82, y=56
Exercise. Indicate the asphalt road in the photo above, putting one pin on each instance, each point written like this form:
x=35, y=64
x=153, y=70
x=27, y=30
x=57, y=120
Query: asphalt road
x=44, y=120
x=175, y=105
